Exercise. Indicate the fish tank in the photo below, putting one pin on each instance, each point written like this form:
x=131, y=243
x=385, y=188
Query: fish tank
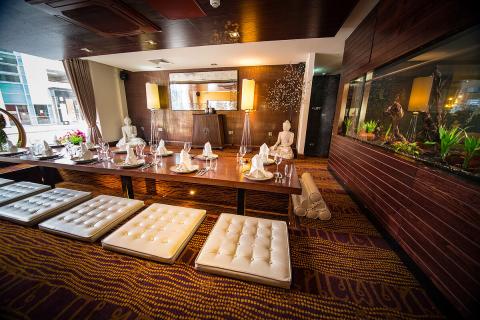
x=424, y=106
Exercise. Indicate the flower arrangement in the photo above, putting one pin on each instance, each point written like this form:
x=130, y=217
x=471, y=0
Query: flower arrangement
x=75, y=137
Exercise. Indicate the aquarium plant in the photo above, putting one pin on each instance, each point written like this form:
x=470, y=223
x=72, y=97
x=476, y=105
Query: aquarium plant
x=449, y=138
x=406, y=147
x=471, y=145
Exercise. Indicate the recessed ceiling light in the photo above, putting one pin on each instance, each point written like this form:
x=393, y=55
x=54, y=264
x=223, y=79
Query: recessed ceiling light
x=213, y=64
x=86, y=50
x=234, y=34
x=150, y=42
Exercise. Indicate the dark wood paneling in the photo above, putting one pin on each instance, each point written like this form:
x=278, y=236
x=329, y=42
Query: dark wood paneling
x=178, y=124
x=28, y=29
x=433, y=215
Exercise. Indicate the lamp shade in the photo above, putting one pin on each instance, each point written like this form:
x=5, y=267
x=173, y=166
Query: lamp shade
x=420, y=94
x=248, y=94
x=153, y=99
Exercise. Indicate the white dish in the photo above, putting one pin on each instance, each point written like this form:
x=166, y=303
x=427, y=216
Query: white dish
x=46, y=157
x=80, y=160
x=268, y=176
x=174, y=169
x=268, y=162
x=201, y=157
x=129, y=165
x=169, y=153
x=9, y=153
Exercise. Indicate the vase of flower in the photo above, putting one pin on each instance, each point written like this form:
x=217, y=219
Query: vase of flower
x=75, y=137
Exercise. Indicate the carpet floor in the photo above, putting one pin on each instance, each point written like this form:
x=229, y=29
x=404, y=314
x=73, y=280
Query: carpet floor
x=342, y=269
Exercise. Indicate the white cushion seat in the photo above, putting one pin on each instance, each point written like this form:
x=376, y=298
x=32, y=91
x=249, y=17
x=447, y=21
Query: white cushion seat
x=31, y=210
x=20, y=190
x=248, y=248
x=92, y=219
x=4, y=182
x=160, y=232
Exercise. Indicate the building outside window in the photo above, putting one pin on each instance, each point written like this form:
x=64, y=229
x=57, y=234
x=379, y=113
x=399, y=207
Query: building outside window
x=37, y=92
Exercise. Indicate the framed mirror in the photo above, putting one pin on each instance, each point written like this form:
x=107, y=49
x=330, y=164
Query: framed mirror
x=202, y=90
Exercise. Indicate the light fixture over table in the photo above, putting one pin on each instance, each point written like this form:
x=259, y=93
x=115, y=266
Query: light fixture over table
x=153, y=104
x=248, y=95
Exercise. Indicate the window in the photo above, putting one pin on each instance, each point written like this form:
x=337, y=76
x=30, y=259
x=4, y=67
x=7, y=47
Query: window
x=7, y=58
x=9, y=78
x=41, y=111
x=8, y=68
x=19, y=112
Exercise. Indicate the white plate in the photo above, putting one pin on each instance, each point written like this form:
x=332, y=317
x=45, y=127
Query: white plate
x=8, y=153
x=269, y=175
x=169, y=153
x=42, y=157
x=201, y=157
x=128, y=165
x=174, y=169
x=268, y=162
x=80, y=160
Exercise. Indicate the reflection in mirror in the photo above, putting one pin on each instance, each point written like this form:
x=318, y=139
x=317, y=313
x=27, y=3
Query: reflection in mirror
x=202, y=90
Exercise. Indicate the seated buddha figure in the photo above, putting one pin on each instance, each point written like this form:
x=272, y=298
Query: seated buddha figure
x=284, y=142
x=129, y=135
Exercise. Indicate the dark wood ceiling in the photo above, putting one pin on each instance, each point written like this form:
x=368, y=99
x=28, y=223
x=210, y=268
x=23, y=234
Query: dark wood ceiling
x=26, y=28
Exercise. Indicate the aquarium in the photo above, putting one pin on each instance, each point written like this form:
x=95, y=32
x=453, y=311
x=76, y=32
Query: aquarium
x=425, y=106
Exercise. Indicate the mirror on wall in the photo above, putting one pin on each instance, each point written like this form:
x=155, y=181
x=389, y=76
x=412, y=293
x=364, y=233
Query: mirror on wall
x=202, y=90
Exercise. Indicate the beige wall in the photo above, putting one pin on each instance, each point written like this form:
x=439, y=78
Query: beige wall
x=110, y=99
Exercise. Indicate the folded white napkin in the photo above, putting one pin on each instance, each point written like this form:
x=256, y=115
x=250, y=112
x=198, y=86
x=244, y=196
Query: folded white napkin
x=256, y=169
x=131, y=158
x=161, y=147
x=85, y=154
x=11, y=147
x=185, y=161
x=264, y=151
x=207, y=150
x=46, y=150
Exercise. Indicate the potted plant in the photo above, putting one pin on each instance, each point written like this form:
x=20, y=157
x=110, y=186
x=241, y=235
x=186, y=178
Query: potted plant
x=471, y=145
x=75, y=137
x=368, y=129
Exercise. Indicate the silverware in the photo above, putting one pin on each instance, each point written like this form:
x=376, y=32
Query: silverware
x=200, y=172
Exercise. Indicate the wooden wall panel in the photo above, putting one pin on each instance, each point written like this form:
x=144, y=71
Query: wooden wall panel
x=434, y=216
x=178, y=124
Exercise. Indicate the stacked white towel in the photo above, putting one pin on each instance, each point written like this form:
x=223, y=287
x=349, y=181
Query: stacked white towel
x=310, y=203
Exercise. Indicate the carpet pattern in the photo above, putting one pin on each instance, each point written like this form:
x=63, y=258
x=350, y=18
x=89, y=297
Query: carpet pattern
x=342, y=268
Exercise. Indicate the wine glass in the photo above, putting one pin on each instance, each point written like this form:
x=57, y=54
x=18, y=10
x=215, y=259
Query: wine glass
x=139, y=149
x=187, y=146
x=243, y=152
x=278, y=160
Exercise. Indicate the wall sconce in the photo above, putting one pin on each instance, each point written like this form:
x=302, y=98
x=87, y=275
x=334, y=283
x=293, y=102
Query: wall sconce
x=248, y=95
x=418, y=102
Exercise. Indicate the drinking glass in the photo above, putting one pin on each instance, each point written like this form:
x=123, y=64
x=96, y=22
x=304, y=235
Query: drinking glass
x=243, y=152
x=139, y=149
x=288, y=171
x=277, y=160
x=213, y=164
x=187, y=146
x=153, y=148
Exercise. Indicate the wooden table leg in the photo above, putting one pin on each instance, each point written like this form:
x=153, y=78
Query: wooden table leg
x=292, y=219
x=47, y=176
x=241, y=201
x=127, y=187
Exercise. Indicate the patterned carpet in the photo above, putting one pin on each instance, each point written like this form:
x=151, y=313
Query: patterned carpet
x=342, y=269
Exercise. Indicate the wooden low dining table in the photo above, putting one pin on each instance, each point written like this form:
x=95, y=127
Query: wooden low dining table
x=227, y=174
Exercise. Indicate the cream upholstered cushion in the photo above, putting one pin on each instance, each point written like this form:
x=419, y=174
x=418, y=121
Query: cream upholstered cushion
x=248, y=248
x=92, y=219
x=160, y=232
x=31, y=210
x=20, y=190
x=4, y=182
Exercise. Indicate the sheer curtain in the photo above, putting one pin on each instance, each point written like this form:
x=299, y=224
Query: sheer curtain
x=78, y=74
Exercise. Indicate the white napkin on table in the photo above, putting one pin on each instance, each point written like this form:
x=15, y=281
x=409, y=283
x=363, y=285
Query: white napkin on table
x=85, y=154
x=46, y=149
x=207, y=150
x=185, y=161
x=131, y=158
x=11, y=147
x=256, y=169
x=161, y=147
x=264, y=152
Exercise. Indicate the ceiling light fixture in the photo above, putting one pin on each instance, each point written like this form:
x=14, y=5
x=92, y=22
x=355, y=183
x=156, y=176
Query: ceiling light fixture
x=215, y=3
x=213, y=64
x=150, y=42
x=86, y=50
x=234, y=34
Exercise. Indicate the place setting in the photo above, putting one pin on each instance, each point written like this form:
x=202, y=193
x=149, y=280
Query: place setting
x=81, y=154
x=9, y=149
x=207, y=153
x=131, y=160
x=184, y=164
x=43, y=151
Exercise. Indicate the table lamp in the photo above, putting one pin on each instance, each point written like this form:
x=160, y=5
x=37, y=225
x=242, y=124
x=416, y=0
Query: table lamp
x=153, y=104
x=418, y=102
x=248, y=94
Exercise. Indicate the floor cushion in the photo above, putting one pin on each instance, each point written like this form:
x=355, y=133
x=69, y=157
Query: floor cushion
x=20, y=190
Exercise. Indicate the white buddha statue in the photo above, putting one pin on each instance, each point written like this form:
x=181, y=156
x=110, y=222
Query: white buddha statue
x=283, y=145
x=129, y=135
